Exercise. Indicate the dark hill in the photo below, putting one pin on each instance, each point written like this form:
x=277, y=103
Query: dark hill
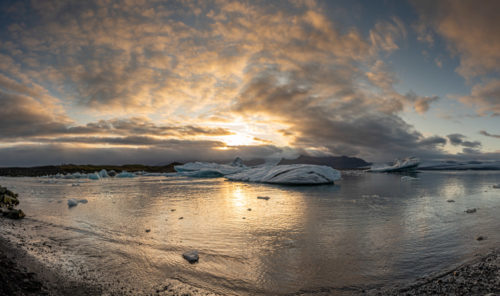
x=336, y=162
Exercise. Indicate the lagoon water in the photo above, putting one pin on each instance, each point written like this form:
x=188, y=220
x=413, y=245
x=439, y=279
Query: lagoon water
x=368, y=230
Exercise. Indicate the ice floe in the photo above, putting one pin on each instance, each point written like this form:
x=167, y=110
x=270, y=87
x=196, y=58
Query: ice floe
x=295, y=174
x=408, y=178
x=460, y=165
x=399, y=165
x=125, y=174
x=210, y=169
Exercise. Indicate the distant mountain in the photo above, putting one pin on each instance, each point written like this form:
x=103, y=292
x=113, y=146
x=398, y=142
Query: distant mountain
x=336, y=162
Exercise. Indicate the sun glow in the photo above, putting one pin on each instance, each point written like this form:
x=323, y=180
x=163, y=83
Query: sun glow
x=239, y=139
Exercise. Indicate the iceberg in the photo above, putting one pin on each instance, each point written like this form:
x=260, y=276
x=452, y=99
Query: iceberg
x=125, y=174
x=94, y=176
x=103, y=174
x=399, y=165
x=210, y=169
x=295, y=174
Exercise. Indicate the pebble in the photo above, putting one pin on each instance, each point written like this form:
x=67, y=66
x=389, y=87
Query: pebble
x=191, y=256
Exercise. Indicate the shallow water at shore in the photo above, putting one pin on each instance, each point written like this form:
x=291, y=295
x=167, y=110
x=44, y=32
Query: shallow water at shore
x=366, y=231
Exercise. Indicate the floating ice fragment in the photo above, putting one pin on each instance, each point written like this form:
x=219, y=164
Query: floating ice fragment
x=408, y=178
x=103, y=174
x=94, y=176
x=210, y=169
x=125, y=174
x=457, y=165
x=399, y=165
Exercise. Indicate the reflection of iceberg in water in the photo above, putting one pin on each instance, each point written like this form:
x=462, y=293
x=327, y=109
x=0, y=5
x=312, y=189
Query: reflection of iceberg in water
x=298, y=174
x=400, y=165
x=294, y=174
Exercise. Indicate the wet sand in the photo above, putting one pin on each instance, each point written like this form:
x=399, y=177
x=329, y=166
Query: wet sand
x=23, y=274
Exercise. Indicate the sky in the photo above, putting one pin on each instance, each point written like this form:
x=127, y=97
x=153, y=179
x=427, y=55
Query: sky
x=159, y=81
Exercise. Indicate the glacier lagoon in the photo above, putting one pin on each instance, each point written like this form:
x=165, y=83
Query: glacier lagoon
x=366, y=231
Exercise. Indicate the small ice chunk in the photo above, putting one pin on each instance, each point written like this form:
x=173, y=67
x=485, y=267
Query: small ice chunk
x=191, y=256
x=408, y=178
x=94, y=176
x=125, y=174
x=103, y=174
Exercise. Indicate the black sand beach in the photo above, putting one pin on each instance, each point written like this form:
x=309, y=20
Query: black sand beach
x=22, y=274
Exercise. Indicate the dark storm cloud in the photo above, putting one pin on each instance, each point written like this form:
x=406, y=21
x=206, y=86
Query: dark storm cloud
x=343, y=122
x=458, y=139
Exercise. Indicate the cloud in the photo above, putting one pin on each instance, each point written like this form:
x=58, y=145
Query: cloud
x=283, y=65
x=181, y=151
x=485, y=133
x=458, y=139
x=469, y=28
x=470, y=31
x=486, y=96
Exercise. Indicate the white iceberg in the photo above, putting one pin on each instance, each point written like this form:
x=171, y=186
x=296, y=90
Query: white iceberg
x=210, y=169
x=125, y=174
x=399, y=165
x=295, y=174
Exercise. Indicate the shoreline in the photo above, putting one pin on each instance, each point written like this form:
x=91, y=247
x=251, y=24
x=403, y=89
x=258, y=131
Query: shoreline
x=23, y=274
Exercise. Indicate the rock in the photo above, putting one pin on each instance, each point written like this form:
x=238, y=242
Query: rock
x=13, y=214
x=180, y=218
x=83, y=201
x=450, y=200
x=496, y=186
x=470, y=211
x=263, y=197
x=191, y=256
x=249, y=209
x=480, y=238
x=72, y=202
x=148, y=230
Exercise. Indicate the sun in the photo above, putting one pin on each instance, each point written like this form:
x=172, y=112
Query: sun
x=238, y=139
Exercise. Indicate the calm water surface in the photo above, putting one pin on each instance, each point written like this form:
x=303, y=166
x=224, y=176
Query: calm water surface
x=365, y=231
